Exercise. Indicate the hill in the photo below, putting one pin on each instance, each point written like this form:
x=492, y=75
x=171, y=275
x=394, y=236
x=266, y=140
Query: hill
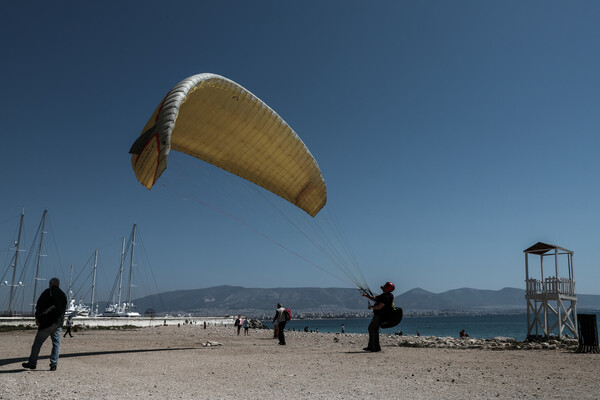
x=329, y=302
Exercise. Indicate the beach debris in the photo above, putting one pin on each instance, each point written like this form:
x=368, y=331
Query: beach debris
x=256, y=324
x=210, y=343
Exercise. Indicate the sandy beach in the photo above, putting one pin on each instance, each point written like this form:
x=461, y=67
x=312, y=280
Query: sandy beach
x=170, y=362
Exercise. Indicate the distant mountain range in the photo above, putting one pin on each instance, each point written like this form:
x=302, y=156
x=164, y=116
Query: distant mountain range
x=324, y=302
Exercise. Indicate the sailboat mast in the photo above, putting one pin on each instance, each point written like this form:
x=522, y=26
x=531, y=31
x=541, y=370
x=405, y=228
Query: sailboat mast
x=94, y=282
x=70, y=292
x=39, y=258
x=131, y=269
x=71, y=278
x=121, y=274
x=12, y=286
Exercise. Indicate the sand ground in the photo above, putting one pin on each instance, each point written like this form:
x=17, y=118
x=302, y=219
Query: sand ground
x=173, y=363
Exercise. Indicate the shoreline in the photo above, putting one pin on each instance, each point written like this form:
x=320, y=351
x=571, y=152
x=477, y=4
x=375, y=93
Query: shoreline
x=141, y=322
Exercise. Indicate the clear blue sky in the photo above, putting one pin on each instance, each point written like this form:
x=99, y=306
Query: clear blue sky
x=451, y=135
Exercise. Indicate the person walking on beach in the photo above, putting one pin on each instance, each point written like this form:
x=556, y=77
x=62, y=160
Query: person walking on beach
x=49, y=315
x=69, y=324
x=280, y=321
x=246, y=326
x=383, y=305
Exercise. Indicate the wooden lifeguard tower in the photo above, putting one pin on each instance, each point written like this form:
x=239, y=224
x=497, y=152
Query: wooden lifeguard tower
x=543, y=293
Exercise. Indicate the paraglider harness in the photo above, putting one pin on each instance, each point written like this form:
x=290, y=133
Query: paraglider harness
x=391, y=317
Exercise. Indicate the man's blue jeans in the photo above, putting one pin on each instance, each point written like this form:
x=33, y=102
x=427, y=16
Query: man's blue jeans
x=53, y=331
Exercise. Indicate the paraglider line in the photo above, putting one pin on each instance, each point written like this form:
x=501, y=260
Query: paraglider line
x=242, y=222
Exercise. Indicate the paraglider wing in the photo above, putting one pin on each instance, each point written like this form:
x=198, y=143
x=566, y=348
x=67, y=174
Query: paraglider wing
x=216, y=120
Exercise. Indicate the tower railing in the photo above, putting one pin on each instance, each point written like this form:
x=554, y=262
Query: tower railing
x=550, y=285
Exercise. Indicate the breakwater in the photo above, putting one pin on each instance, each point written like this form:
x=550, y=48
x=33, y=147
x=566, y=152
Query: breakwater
x=497, y=343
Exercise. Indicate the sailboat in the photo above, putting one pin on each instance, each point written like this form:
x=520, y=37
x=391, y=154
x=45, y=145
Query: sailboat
x=76, y=310
x=79, y=309
x=14, y=262
x=123, y=309
x=24, y=286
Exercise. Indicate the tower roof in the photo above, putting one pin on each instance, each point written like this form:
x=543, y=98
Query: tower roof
x=542, y=248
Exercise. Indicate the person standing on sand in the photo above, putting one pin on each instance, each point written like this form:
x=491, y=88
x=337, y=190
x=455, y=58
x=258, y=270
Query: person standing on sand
x=246, y=326
x=238, y=324
x=280, y=321
x=383, y=304
x=49, y=315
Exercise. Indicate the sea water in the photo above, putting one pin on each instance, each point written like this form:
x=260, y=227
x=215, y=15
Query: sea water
x=477, y=326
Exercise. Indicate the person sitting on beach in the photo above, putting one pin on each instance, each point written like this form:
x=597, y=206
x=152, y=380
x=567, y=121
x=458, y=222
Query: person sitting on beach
x=463, y=333
x=383, y=304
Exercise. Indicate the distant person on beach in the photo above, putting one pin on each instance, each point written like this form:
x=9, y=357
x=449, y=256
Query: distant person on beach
x=49, y=315
x=246, y=326
x=69, y=324
x=383, y=304
x=463, y=333
x=238, y=324
x=343, y=328
x=280, y=320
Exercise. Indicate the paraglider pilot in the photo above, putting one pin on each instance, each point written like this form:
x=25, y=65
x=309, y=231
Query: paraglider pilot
x=383, y=306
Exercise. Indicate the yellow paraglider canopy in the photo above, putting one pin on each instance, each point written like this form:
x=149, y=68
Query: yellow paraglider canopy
x=216, y=120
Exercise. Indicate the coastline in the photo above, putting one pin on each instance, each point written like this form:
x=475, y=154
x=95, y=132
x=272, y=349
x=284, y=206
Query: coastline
x=141, y=322
x=189, y=362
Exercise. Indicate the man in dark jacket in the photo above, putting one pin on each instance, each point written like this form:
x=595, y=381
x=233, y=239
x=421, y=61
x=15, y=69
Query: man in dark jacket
x=49, y=314
x=384, y=303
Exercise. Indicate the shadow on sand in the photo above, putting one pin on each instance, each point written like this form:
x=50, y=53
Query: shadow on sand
x=8, y=361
